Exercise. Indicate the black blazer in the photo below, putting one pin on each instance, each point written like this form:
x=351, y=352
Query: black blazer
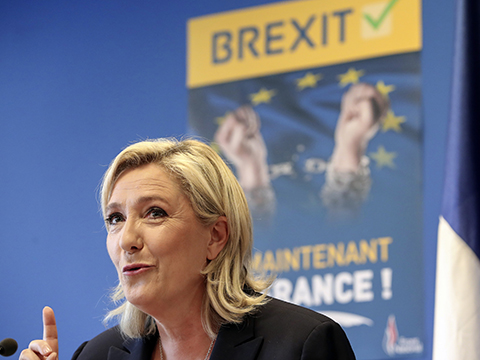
x=279, y=331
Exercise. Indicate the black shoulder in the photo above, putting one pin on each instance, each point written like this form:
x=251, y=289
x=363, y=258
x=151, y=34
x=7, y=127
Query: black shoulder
x=300, y=333
x=99, y=346
x=110, y=344
x=288, y=313
x=328, y=341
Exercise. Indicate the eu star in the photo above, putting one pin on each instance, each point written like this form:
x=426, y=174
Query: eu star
x=393, y=122
x=383, y=157
x=263, y=96
x=384, y=89
x=215, y=147
x=352, y=76
x=309, y=80
x=219, y=120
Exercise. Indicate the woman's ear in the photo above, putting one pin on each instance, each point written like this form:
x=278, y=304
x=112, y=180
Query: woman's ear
x=218, y=237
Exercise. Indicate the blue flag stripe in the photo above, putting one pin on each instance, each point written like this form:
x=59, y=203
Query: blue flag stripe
x=461, y=200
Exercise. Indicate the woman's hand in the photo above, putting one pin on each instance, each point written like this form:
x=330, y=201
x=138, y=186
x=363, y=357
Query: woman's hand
x=46, y=349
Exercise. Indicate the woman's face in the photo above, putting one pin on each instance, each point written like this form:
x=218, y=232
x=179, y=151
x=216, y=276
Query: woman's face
x=155, y=240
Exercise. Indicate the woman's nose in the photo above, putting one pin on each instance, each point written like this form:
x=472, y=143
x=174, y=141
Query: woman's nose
x=131, y=239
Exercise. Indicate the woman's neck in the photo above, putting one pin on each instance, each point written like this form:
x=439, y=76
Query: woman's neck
x=181, y=331
x=187, y=341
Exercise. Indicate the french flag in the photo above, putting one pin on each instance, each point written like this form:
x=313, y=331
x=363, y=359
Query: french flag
x=457, y=294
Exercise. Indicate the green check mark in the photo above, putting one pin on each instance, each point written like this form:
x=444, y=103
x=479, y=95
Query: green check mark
x=376, y=23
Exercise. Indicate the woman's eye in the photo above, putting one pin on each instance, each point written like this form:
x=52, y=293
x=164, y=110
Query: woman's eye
x=114, y=219
x=156, y=212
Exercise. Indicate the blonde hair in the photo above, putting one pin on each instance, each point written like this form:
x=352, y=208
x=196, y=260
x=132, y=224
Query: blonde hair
x=232, y=291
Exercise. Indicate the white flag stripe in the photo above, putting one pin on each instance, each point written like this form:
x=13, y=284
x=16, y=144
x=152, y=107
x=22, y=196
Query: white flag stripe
x=457, y=298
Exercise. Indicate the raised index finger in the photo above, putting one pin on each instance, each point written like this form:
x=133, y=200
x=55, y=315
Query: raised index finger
x=50, y=328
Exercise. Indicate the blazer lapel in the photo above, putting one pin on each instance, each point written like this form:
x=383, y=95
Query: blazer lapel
x=237, y=342
x=234, y=342
x=134, y=349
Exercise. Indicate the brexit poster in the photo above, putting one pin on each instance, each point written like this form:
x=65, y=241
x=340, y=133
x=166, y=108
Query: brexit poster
x=316, y=106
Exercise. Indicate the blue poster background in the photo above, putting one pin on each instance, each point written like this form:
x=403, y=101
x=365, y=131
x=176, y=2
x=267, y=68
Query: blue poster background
x=298, y=125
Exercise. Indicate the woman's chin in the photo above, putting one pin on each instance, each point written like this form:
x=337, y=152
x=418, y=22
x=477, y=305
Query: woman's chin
x=140, y=299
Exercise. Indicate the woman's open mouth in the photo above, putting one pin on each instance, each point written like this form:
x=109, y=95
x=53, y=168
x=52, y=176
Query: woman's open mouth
x=135, y=269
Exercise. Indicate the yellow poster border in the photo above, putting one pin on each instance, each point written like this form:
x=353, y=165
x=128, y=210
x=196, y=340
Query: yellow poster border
x=295, y=35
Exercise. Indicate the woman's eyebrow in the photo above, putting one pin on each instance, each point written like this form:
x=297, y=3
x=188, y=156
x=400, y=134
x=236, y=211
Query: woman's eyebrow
x=111, y=206
x=144, y=199
x=140, y=200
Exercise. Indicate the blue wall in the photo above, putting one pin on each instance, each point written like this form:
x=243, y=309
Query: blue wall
x=78, y=81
